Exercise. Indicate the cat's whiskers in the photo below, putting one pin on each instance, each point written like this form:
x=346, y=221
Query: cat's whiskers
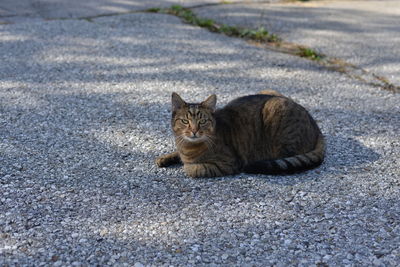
x=172, y=140
x=210, y=143
x=179, y=140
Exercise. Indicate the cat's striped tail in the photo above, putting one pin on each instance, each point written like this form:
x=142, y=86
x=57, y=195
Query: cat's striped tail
x=292, y=164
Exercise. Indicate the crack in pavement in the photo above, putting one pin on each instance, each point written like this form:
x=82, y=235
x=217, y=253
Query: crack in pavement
x=335, y=64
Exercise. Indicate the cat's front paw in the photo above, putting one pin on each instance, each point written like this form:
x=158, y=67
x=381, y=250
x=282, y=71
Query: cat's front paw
x=162, y=161
x=168, y=160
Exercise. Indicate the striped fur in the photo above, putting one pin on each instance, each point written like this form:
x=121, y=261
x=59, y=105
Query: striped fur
x=265, y=133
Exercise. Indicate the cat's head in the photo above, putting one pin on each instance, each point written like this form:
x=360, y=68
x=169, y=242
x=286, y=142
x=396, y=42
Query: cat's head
x=193, y=122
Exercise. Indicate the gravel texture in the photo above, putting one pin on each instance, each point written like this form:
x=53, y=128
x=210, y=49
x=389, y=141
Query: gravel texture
x=84, y=111
x=364, y=33
x=28, y=10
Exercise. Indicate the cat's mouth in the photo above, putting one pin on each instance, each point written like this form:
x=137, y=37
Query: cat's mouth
x=194, y=138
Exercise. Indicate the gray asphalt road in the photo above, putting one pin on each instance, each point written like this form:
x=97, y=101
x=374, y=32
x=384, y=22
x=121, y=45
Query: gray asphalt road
x=47, y=9
x=22, y=10
x=364, y=33
x=84, y=110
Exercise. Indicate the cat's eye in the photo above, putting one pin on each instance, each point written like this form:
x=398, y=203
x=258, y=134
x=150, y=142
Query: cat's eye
x=184, y=121
x=202, y=121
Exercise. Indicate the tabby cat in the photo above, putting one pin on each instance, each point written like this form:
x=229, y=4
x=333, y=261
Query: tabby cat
x=266, y=133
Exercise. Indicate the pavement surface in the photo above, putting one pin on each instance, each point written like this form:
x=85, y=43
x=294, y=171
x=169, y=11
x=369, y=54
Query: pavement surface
x=364, y=33
x=84, y=111
x=22, y=10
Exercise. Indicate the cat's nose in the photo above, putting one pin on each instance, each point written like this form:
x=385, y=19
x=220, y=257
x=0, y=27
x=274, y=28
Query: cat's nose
x=194, y=130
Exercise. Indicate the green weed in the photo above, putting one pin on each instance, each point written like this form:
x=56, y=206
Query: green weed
x=188, y=16
x=309, y=53
x=154, y=10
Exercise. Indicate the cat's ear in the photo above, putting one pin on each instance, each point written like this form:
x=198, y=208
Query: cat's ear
x=177, y=101
x=210, y=102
